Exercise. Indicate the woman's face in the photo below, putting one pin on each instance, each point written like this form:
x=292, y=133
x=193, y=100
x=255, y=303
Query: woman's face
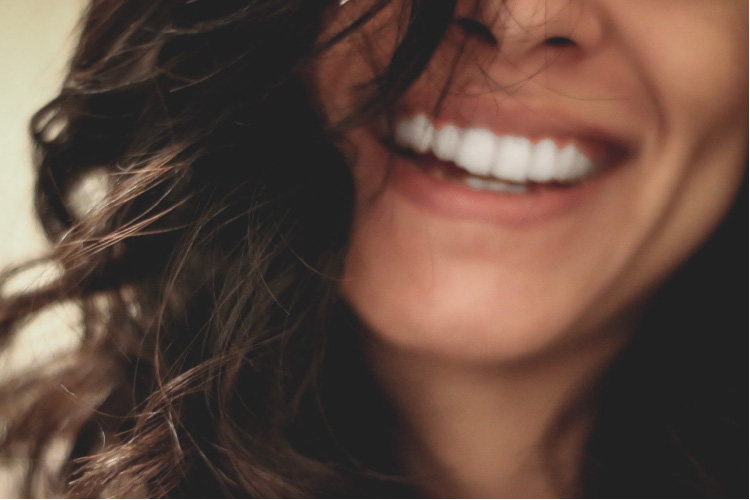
x=623, y=125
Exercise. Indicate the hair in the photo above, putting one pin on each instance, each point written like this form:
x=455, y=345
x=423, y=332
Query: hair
x=216, y=357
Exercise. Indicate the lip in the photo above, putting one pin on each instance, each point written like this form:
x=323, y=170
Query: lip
x=408, y=178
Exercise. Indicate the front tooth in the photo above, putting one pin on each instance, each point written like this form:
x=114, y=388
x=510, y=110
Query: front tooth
x=476, y=151
x=445, y=143
x=512, y=158
x=422, y=134
x=543, y=159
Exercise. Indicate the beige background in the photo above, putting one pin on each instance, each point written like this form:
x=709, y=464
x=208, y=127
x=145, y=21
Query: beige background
x=36, y=37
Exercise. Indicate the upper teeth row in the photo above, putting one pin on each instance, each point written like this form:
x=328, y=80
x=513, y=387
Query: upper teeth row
x=480, y=152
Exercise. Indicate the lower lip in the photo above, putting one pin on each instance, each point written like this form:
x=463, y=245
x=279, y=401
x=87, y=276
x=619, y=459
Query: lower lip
x=449, y=199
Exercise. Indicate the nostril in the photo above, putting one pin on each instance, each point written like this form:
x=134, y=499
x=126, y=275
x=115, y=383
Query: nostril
x=559, y=41
x=472, y=27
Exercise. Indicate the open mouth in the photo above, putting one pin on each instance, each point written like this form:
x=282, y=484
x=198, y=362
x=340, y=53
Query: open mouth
x=480, y=159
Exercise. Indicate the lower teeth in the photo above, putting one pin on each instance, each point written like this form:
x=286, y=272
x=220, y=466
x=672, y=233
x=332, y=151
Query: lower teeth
x=481, y=184
x=493, y=185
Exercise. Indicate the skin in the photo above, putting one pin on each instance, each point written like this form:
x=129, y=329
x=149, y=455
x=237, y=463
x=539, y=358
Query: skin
x=468, y=317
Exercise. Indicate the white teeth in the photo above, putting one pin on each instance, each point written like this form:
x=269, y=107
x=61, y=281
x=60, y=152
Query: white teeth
x=422, y=134
x=581, y=165
x=482, y=153
x=416, y=133
x=446, y=142
x=476, y=151
x=565, y=159
x=494, y=185
x=542, y=165
x=512, y=157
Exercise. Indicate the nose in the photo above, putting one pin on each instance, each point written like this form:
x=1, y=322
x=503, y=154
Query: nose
x=530, y=31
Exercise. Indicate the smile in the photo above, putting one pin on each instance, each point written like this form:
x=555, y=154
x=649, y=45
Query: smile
x=504, y=163
x=503, y=166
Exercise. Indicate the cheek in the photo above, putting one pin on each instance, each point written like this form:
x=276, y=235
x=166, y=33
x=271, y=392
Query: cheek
x=697, y=68
x=704, y=88
x=696, y=65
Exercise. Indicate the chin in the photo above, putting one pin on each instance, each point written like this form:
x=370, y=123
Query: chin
x=415, y=292
x=445, y=329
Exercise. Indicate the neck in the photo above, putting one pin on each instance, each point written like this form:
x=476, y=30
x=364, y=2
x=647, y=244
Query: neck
x=478, y=431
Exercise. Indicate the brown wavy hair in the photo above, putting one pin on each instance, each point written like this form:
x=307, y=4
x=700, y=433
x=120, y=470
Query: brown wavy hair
x=216, y=358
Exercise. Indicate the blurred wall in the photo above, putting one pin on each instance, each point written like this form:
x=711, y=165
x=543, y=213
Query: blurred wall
x=36, y=39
